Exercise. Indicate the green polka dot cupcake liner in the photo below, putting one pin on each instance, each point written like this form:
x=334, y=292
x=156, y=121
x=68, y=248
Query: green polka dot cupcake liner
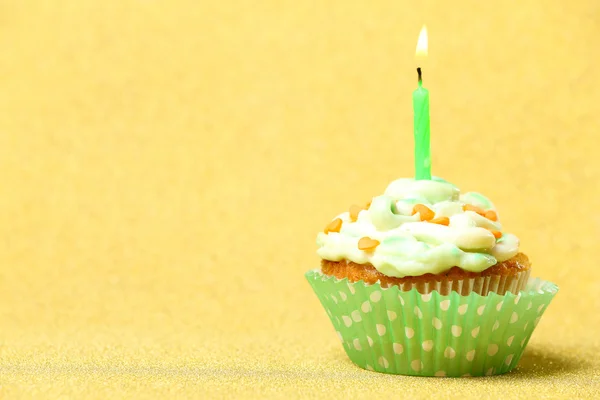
x=408, y=333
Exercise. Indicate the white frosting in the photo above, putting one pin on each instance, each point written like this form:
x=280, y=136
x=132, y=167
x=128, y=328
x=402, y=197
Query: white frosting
x=411, y=247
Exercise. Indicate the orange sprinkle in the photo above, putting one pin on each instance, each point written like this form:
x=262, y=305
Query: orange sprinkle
x=354, y=210
x=367, y=244
x=497, y=234
x=441, y=221
x=470, y=207
x=491, y=215
x=424, y=211
x=334, y=226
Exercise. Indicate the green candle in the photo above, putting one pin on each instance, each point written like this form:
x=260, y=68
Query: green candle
x=421, y=118
x=421, y=130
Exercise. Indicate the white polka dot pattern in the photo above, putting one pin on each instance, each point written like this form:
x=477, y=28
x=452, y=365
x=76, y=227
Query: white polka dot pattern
x=492, y=349
x=449, y=352
x=418, y=312
x=375, y=296
x=365, y=307
x=416, y=365
x=514, y=317
x=456, y=330
x=351, y=288
x=427, y=345
x=470, y=355
x=385, y=330
x=398, y=348
x=383, y=362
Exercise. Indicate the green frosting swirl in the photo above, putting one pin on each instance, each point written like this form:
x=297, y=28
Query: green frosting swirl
x=411, y=247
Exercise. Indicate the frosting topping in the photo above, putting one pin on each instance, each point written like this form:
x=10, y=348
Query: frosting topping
x=418, y=227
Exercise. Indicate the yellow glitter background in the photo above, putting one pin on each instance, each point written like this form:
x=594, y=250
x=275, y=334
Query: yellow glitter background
x=166, y=166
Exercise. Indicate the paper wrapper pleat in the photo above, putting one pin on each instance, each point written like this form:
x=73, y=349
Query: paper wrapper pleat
x=409, y=333
x=482, y=285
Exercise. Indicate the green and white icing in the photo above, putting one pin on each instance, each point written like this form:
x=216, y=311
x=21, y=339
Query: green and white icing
x=411, y=247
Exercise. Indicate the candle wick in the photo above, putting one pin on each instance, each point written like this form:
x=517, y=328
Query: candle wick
x=419, y=74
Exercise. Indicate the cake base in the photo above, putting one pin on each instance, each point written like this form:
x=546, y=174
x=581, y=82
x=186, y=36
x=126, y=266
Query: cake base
x=508, y=276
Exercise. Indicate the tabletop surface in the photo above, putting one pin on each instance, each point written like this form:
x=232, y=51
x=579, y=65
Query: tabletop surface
x=166, y=166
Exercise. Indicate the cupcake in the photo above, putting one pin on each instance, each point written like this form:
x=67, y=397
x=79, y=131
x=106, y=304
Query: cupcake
x=424, y=281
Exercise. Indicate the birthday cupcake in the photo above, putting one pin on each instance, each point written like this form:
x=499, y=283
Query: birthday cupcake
x=424, y=281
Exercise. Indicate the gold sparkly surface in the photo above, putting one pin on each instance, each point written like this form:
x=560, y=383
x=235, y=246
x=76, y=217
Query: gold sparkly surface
x=166, y=166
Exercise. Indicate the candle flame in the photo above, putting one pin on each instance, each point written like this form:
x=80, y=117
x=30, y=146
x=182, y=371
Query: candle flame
x=422, y=43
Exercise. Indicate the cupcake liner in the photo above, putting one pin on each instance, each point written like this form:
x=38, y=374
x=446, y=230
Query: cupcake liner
x=482, y=285
x=405, y=332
